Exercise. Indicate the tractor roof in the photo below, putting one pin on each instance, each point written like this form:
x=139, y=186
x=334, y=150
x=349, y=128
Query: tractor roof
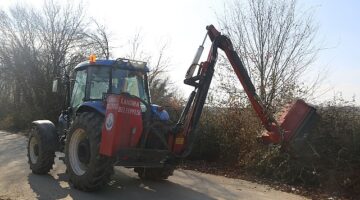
x=120, y=63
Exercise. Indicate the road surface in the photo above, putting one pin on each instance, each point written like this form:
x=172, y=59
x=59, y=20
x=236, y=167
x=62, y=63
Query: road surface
x=17, y=182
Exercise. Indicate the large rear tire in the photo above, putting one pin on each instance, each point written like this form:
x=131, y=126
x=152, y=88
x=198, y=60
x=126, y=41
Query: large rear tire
x=154, y=142
x=87, y=169
x=155, y=174
x=40, y=156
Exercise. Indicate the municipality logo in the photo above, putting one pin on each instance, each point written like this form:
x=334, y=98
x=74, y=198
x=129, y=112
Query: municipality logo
x=109, y=122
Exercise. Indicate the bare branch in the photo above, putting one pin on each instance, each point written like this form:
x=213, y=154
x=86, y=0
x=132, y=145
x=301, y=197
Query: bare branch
x=275, y=42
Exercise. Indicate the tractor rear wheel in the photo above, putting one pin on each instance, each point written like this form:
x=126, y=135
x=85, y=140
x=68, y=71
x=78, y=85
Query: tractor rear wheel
x=154, y=142
x=40, y=157
x=87, y=169
x=155, y=174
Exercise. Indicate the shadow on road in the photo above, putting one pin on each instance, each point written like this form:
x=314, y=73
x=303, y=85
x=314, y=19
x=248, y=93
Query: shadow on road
x=122, y=186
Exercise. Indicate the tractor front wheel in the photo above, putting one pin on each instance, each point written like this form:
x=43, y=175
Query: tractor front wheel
x=87, y=169
x=40, y=154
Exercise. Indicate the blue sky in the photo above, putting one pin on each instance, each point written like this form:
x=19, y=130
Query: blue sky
x=182, y=25
x=340, y=30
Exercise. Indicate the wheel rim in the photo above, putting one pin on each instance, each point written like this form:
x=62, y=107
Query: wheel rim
x=33, y=149
x=77, y=140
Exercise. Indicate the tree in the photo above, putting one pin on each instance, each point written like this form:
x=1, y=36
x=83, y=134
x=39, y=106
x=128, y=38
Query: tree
x=161, y=89
x=276, y=42
x=99, y=40
x=37, y=46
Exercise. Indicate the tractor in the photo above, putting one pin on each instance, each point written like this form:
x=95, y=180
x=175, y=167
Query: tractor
x=110, y=120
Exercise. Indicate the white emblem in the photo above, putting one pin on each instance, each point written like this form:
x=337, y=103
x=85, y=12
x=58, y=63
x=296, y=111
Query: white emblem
x=109, y=121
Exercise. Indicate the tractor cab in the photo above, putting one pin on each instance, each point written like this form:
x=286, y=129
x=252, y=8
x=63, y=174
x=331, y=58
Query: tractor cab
x=95, y=79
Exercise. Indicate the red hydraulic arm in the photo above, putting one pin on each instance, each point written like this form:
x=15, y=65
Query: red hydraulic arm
x=266, y=118
x=201, y=81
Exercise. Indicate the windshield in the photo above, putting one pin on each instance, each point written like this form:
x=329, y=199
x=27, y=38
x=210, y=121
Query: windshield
x=131, y=82
x=123, y=81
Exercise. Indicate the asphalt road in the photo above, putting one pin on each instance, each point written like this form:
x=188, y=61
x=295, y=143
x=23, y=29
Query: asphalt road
x=17, y=182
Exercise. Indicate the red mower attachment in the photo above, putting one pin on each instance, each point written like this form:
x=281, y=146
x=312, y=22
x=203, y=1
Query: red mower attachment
x=295, y=121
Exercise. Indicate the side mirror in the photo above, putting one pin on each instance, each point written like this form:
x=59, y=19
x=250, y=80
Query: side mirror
x=55, y=86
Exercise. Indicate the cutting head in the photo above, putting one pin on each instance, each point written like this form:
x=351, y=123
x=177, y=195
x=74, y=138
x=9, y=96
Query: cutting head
x=295, y=121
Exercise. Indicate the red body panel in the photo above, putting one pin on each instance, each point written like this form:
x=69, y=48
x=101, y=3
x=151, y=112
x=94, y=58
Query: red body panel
x=123, y=124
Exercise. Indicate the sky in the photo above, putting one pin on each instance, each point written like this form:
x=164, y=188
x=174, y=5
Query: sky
x=181, y=24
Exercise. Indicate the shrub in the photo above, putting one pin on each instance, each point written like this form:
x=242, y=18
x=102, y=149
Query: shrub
x=228, y=135
x=7, y=122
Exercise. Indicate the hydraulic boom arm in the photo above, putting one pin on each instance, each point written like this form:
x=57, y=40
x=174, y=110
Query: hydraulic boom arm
x=201, y=81
x=266, y=118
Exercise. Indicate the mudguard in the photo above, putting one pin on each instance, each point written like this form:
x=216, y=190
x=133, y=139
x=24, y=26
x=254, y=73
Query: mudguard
x=97, y=106
x=47, y=130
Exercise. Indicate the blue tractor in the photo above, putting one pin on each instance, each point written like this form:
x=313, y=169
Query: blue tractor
x=80, y=127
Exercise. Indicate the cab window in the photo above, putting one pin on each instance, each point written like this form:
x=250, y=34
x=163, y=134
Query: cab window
x=99, y=82
x=127, y=81
x=78, y=93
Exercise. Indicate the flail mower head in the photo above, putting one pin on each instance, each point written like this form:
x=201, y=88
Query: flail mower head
x=295, y=121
